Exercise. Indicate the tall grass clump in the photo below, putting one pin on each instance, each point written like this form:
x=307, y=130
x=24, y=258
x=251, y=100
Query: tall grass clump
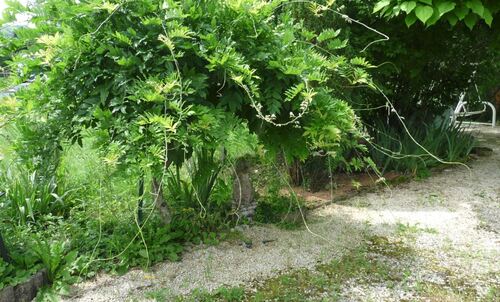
x=29, y=195
x=394, y=149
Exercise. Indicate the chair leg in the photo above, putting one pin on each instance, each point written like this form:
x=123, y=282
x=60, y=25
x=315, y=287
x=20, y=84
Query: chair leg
x=493, y=113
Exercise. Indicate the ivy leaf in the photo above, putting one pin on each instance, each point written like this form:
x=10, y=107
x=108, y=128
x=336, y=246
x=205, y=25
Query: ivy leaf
x=410, y=19
x=428, y=2
x=435, y=17
x=408, y=6
x=470, y=21
x=380, y=5
x=452, y=19
x=461, y=12
x=445, y=7
x=487, y=16
x=476, y=6
x=423, y=13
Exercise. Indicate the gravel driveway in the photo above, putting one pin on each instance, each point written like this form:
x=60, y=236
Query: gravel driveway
x=451, y=221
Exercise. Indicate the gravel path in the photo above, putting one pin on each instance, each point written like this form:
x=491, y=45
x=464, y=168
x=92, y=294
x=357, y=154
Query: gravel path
x=451, y=221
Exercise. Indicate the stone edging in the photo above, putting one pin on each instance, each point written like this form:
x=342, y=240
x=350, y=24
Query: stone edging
x=25, y=291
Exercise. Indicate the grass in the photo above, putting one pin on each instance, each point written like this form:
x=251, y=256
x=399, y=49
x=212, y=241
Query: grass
x=412, y=230
x=395, y=150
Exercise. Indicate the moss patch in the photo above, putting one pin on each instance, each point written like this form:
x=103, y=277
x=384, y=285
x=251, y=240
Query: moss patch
x=379, y=260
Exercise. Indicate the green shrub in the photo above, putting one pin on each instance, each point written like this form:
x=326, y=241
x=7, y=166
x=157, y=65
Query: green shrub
x=279, y=209
x=194, y=189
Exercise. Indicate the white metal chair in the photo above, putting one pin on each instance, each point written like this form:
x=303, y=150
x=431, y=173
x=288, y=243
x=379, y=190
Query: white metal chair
x=461, y=110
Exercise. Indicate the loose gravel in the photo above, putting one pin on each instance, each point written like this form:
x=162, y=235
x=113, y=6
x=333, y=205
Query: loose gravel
x=451, y=221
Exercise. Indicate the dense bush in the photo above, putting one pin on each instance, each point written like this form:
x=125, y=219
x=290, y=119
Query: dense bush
x=167, y=93
x=137, y=102
x=157, y=80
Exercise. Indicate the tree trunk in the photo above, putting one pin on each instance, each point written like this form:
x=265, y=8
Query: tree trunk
x=243, y=192
x=160, y=203
x=3, y=250
x=295, y=172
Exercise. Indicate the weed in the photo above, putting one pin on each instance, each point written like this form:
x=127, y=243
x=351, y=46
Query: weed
x=493, y=294
x=222, y=294
x=356, y=184
x=432, y=199
x=411, y=230
x=158, y=295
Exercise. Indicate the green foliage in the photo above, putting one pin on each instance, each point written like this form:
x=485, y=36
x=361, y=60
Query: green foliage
x=24, y=262
x=30, y=253
x=421, y=70
x=395, y=150
x=56, y=259
x=279, y=208
x=194, y=192
x=11, y=274
x=158, y=75
x=429, y=12
x=150, y=88
x=29, y=196
x=200, y=196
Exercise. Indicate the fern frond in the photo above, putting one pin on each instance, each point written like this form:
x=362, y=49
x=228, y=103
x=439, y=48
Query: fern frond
x=359, y=61
x=166, y=40
x=328, y=34
x=180, y=32
x=293, y=91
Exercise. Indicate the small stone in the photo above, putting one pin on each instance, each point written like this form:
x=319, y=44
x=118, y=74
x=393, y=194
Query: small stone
x=7, y=294
x=40, y=279
x=25, y=292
